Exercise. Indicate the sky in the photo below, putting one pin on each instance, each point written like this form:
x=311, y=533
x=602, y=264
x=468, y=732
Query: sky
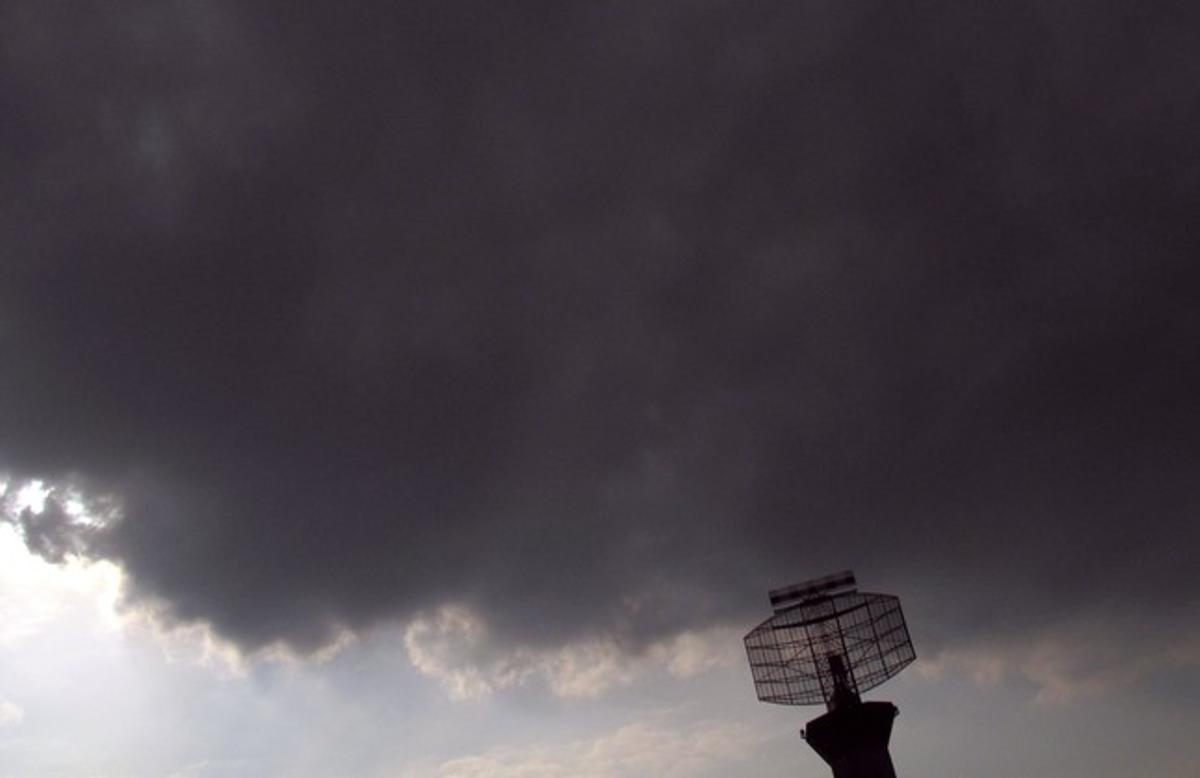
x=437, y=388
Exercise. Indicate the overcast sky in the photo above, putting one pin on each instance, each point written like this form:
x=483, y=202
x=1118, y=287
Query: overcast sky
x=436, y=388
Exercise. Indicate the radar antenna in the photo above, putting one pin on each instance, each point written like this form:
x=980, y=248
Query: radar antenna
x=828, y=643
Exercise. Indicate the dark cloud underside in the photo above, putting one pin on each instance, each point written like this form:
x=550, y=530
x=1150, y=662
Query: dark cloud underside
x=603, y=317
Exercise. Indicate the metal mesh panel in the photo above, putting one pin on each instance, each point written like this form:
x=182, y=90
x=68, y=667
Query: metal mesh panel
x=796, y=655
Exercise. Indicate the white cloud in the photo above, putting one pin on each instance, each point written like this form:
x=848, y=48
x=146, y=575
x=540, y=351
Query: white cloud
x=636, y=750
x=454, y=646
x=692, y=653
x=32, y=495
x=11, y=714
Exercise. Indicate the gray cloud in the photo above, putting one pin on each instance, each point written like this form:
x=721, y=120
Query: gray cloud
x=51, y=533
x=602, y=320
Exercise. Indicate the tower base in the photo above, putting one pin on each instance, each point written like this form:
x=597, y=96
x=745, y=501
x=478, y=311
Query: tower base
x=853, y=740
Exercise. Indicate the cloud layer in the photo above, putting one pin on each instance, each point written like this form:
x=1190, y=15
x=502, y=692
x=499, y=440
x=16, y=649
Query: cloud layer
x=599, y=320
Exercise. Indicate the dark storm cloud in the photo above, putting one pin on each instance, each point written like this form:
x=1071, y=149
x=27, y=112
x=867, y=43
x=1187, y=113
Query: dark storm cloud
x=51, y=532
x=605, y=317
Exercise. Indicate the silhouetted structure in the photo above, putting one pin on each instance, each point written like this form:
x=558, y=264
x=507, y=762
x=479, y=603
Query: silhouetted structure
x=829, y=642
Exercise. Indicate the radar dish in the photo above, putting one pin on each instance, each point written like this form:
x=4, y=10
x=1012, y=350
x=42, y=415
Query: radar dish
x=827, y=642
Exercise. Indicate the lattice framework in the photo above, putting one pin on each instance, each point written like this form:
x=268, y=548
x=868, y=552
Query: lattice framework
x=795, y=654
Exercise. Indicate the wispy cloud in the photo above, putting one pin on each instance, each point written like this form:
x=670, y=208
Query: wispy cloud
x=643, y=748
x=453, y=645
